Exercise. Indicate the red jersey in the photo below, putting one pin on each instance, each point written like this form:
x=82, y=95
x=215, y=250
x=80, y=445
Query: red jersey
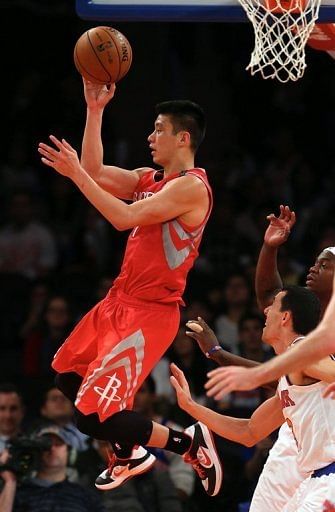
x=158, y=257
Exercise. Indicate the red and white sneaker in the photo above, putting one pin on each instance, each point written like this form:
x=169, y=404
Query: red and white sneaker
x=204, y=458
x=121, y=470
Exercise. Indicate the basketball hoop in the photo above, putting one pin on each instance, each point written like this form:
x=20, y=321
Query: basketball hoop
x=282, y=28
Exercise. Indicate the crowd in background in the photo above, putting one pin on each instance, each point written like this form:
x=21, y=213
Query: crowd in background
x=266, y=145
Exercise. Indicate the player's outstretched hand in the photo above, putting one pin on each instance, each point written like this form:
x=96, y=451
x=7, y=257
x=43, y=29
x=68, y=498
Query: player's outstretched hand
x=280, y=227
x=330, y=391
x=202, y=333
x=96, y=95
x=181, y=387
x=223, y=380
x=63, y=158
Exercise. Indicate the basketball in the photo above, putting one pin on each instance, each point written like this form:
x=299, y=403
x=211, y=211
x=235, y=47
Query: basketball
x=103, y=55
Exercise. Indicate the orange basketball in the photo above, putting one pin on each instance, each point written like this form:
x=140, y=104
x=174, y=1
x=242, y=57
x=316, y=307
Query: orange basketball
x=103, y=55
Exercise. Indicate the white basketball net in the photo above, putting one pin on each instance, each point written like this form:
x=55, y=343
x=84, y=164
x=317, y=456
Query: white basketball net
x=282, y=28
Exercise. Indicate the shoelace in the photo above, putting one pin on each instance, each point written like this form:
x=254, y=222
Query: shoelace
x=196, y=466
x=111, y=461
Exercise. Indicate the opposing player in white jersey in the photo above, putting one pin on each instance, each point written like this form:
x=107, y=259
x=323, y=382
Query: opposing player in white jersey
x=298, y=400
x=281, y=466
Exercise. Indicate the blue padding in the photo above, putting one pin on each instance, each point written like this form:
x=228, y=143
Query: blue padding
x=230, y=13
x=328, y=470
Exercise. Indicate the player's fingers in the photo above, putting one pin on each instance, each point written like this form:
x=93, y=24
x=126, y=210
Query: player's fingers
x=111, y=89
x=48, y=149
x=292, y=219
x=67, y=145
x=47, y=162
x=56, y=141
x=174, y=382
x=195, y=326
x=218, y=390
x=212, y=381
x=216, y=371
x=46, y=154
x=193, y=335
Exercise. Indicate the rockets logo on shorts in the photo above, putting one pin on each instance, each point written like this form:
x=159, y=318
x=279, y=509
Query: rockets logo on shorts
x=115, y=379
x=108, y=393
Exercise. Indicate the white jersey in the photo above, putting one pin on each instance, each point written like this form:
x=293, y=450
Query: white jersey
x=312, y=419
x=280, y=477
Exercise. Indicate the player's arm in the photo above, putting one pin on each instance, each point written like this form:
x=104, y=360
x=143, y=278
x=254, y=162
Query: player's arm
x=268, y=279
x=210, y=346
x=119, y=182
x=177, y=198
x=267, y=417
x=322, y=370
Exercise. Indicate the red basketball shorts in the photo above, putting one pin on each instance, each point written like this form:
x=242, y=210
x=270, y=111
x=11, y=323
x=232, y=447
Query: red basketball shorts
x=114, y=347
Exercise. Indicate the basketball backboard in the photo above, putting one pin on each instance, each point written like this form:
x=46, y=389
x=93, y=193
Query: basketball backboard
x=175, y=10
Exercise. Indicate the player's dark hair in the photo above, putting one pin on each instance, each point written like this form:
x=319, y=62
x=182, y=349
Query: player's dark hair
x=185, y=115
x=304, y=306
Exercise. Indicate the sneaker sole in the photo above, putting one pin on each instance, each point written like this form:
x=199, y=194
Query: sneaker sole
x=216, y=461
x=142, y=468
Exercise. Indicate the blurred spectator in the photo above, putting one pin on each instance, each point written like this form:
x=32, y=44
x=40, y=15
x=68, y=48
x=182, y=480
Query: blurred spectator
x=237, y=298
x=187, y=355
x=250, y=346
x=27, y=246
x=43, y=342
x=58, y=410
x=11, y=414
x=37, y=302
x=49, y=489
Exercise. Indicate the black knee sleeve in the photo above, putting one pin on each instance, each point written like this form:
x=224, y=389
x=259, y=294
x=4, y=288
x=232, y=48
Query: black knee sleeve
x=69, y=384
x=128, y=427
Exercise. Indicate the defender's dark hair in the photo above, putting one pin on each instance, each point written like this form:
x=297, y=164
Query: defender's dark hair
x=185, y=115
x=304, y=306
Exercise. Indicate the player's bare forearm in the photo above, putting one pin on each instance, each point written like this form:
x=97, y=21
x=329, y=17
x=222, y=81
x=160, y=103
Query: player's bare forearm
x=317, y=345
x=267, y=280
x=225, y=358
x=92, y=149
x=244, y=431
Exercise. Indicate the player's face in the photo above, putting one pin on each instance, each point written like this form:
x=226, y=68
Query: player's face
x=273, y=320
x=163, y=142
x=320, y=276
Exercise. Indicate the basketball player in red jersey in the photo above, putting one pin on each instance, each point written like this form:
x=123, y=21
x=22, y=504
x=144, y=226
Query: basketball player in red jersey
x=115, y=346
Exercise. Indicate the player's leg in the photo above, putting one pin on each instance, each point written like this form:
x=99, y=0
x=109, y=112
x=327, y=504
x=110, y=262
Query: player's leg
x=195, y=444
x=132, y=341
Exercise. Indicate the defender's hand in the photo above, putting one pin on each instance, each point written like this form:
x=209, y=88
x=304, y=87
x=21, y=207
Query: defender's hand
x=223, y=380
x=181, y=387
x=280, y=227
x=202, y=333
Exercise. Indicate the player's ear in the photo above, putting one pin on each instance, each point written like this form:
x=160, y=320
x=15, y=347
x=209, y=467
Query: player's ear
x=184, y=138
x=287, y=317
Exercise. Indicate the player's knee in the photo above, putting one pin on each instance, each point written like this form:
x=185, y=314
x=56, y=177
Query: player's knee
x=69, y=384
x=89, y=424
